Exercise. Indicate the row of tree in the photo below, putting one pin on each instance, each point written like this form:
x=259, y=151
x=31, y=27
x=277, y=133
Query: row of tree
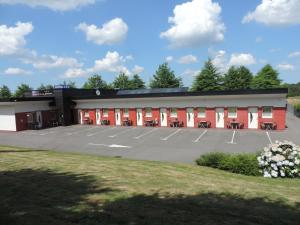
x=209, y=78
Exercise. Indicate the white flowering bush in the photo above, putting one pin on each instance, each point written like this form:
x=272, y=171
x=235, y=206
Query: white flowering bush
x=281, y=159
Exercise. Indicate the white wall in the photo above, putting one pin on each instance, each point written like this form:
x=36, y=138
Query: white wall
x=7, y=118
x=188, y=101
x=31, y=106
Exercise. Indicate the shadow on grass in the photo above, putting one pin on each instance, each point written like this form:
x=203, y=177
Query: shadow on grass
x=16, y=151
x=34, y=197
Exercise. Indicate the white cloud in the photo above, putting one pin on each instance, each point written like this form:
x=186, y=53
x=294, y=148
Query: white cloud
x=294, y=54
x=112, y=32
x=275, y=12
x=169, y=58
x=113, y=62
x=75, y=72
x=12, y=39
x=285, y=66
x=53, y=61
x=137, y=69
x=16, y=71
x=56, y=5
x=242, y=59
x=187, y=59
x=195, y=24
x=219, y=59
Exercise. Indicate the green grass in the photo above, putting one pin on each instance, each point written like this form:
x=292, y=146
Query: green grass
x=44, y=187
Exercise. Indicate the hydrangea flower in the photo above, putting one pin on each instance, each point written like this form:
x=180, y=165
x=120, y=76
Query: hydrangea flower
x=280, y=160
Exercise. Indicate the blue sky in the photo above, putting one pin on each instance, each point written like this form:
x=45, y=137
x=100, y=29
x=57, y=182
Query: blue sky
x=43, y=41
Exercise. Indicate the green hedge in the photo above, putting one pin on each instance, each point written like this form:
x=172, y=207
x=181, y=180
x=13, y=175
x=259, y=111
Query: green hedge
x=246, y=163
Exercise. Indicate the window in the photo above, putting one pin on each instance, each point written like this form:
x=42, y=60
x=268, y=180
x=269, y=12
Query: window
x=148, y=112
x=267, y=112
x=86, y=114
x=232, y=112
x=105, y=112
x=201, y=113
x=126, y=113
x=173, y=112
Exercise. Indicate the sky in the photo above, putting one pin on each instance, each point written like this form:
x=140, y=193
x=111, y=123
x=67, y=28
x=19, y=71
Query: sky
x=51, y=41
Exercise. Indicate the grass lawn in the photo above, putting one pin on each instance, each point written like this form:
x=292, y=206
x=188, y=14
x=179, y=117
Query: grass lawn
x=44, y=187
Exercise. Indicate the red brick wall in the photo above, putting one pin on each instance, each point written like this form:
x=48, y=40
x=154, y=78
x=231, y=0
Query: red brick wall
x=132, y=116
x=242, y=114
x=21, y=121
x=211, y=116
x=181, y=115
x=279, y=117
x=111, y=116
x=92, y=113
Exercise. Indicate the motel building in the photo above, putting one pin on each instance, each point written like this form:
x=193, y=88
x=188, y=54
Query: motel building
x=167, y=107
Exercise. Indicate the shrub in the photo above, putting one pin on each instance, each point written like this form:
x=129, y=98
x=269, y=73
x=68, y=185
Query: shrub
x=211, y=159
x=236, y=163
x=281, y=159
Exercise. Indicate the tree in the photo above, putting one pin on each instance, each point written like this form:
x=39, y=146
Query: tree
x=43, y=87
x=137, y=82
x=267, y=77
x=95, y=82
x=164, y=77
x=21, y=89
x=122, y=82
x=70, y=84
x=208, y=79
x=5, y=92
x=237, y=78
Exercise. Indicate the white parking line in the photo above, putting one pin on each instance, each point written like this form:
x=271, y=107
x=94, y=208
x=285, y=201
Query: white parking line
x=232, y=139
x=110, y=146
x=101, y=131
x=121, y=132
x=201, y=135
x=166, y=138
x=144, y=134
x=270, y=140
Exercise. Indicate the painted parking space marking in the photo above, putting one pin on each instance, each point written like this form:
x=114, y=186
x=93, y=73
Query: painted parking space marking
x=201, y=135
x=46, y=133
x=144, y=134
x=122, y=132
x=172, y=134
x=101, y=131
x=232, y=139
x=269, y=137
x=110, y=146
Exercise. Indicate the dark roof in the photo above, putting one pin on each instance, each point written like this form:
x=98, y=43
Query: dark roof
x=26, y=99
x=137, y=94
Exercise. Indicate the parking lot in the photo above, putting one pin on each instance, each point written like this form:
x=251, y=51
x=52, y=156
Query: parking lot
x=164, y=144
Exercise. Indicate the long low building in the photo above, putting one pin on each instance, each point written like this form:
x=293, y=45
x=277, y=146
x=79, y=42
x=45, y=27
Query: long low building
x=249, y=109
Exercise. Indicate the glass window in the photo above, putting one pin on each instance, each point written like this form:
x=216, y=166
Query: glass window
x=201, y=112
x=173, y=112
x=232, y=112
x=105, y=112
x=126, y=113
x=267, y=112
x=86, y=114
x=148, y=112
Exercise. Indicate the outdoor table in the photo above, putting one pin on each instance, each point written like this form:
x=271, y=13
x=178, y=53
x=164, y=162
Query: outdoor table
x=203, y=124
x=268, y=126
x=126, y=122
x=105, y=122
x=149, y=123
x=234, y=125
